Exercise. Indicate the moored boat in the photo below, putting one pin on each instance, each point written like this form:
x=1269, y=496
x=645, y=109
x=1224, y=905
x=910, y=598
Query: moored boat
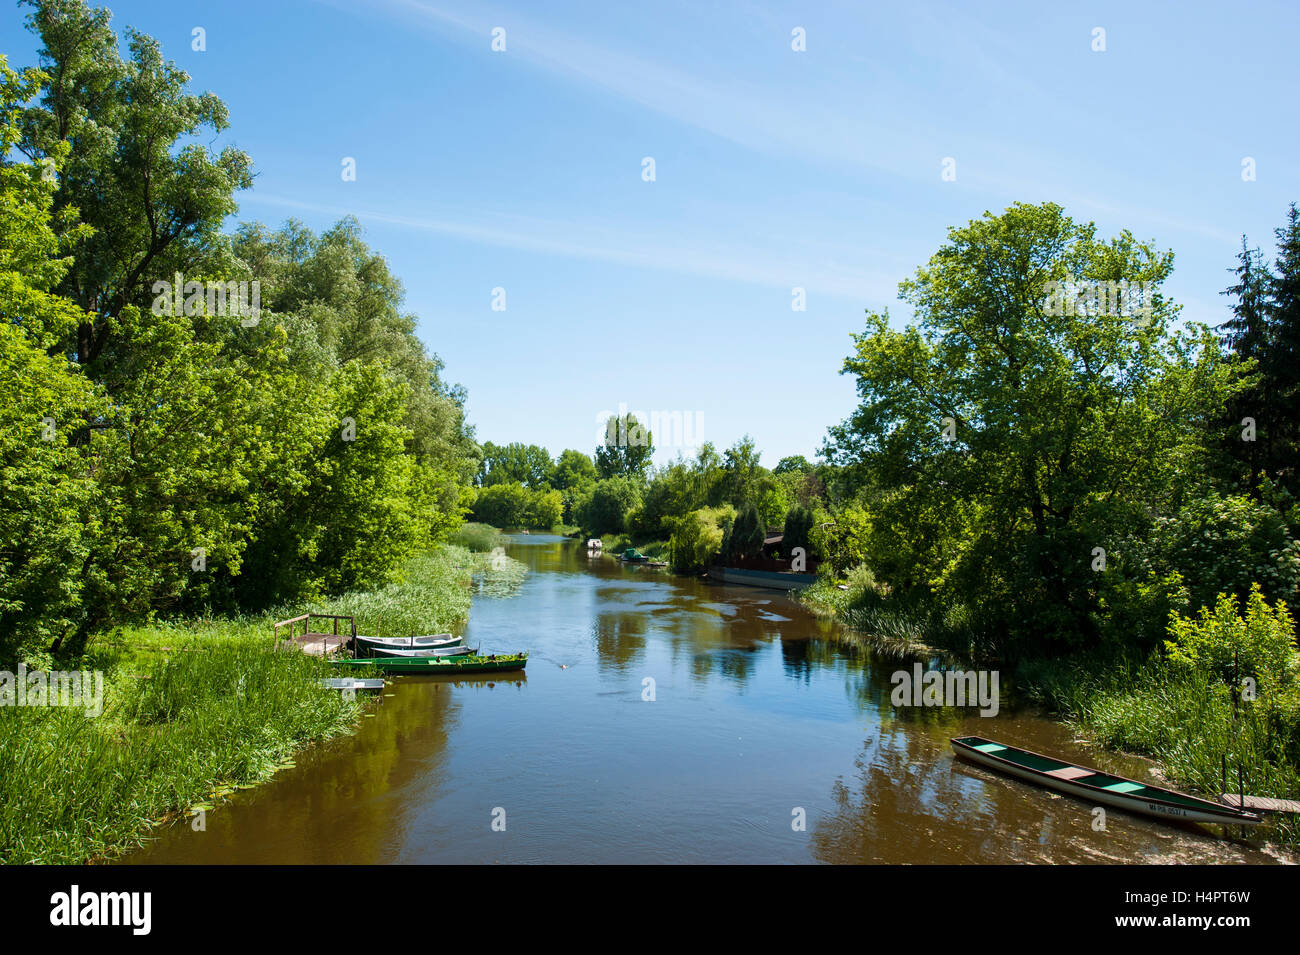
x=436, y=666
x=427, y=642
x=769, y=579
x=422, y=652
x=1095, y=786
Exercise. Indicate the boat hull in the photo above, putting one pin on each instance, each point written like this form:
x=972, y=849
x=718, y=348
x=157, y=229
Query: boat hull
x=421, y=652
x=770, y=579
x=1152, y=801
x=435, y=666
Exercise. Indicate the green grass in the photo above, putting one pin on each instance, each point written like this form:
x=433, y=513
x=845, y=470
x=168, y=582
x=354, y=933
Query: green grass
x=196, y=708
x=181, y=726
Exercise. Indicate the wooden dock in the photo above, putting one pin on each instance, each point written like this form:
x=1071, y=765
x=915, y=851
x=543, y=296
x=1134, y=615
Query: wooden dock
x=1261, y=803
x=319, y=644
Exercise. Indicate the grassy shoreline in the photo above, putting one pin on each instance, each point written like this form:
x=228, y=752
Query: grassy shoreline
x=196, y=709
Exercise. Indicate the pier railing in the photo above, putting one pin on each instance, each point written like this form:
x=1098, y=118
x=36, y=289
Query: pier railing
x=307, y=632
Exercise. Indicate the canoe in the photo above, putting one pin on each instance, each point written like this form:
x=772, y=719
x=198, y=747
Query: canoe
x=422, y=651
x=410, y=643
x=1095, y=786
x=436, y=666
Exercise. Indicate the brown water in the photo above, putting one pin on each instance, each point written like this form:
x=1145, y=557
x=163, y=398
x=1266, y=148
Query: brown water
x=758, y=711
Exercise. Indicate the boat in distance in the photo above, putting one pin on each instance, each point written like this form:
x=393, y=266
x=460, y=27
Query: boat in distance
x=1095, y=786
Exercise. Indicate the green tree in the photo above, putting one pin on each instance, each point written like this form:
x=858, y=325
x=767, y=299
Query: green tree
x=746, y=535
x=605, y=511
x=137, y=172
x=626, y=450
x=798, y=530
x=573, y=469
x=47, y=524
x=1029, y=435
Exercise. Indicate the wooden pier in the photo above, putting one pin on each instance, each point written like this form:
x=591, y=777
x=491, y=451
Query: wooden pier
x=1261, y=803
x=316, y=643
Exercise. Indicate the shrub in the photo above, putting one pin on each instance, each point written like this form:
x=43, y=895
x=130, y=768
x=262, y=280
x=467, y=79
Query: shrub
x=1223, y=643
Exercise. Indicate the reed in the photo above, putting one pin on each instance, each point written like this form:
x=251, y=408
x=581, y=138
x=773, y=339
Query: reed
x=479, y=538
x=179, y=728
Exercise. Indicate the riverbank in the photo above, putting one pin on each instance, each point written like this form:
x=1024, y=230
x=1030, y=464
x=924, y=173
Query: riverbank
x=1175, y=707
x=195, y=709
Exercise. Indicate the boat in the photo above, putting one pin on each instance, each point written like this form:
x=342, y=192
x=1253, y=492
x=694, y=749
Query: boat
x=435, y=666
x=422, y=652
x=349, y=683
x=427, y=642
x=633, y=556
x=1095, y=786
x=770, y=579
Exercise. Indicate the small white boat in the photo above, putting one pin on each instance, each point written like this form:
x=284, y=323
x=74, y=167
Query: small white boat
x=422, y=652
x=428, y=642
x=348, y=683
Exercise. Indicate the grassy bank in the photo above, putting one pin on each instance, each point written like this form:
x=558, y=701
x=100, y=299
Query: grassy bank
x=195, y=709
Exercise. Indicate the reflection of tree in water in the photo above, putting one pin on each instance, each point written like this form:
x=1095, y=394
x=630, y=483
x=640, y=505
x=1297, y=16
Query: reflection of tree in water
x=907, y=805
x=620, y=640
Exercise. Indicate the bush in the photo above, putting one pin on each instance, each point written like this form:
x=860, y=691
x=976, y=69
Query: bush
x=1224, y=644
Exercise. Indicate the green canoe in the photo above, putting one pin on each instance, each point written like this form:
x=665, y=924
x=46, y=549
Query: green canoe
x=429, y=666
x=1094, y=786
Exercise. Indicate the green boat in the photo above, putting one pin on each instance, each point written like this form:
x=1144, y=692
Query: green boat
x=431, y=666
x=1094, y=786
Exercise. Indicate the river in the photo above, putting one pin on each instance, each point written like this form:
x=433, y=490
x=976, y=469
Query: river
x=759, y=717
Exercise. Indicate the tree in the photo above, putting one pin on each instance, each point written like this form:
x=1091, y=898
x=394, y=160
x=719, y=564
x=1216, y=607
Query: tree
x=697, y=537
x=1281, y=365
x=605, y=511
x=573, y=469
x=1028, y=435
x=529, y=465
x=626, y=450
x=797, y=531
x=795, y=464
x=47, y=525
x=156, y=204
x=746, y=535
x=740, y=470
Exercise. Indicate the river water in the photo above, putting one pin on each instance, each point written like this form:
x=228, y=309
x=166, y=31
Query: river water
x=760, y=716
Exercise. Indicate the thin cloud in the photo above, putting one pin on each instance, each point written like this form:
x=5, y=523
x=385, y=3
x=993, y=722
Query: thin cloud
x=596, y=243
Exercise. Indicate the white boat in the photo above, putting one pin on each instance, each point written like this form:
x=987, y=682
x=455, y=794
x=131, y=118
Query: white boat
x=428, y=642
x=423, y=652
x=348, y=683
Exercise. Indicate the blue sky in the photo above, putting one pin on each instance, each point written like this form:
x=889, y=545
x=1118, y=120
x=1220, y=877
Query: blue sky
x=820, y=169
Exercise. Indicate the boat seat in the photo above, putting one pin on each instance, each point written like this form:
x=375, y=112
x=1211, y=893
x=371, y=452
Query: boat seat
x=1123, y=787
x=989, y=747
x=1070, y=772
